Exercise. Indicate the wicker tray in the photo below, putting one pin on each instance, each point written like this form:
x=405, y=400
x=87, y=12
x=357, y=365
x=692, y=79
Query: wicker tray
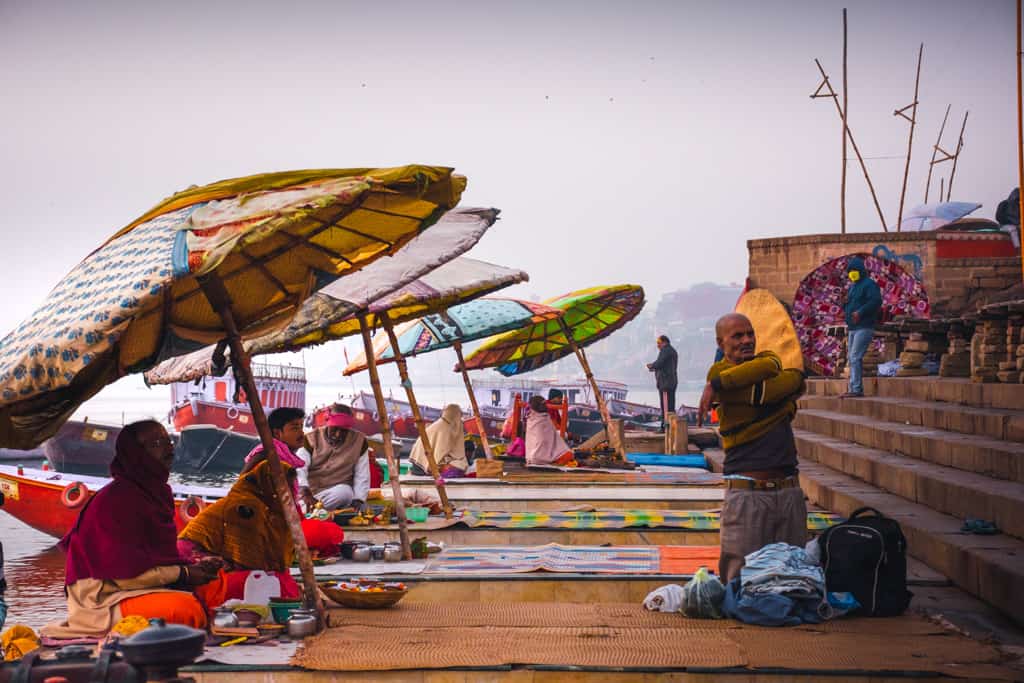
x=488, y=469
x=362, y=599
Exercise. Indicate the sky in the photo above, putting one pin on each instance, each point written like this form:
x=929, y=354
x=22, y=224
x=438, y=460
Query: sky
x=638, y=142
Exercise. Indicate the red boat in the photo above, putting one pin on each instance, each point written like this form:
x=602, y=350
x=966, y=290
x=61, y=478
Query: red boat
x=50, y=501
x=364, y=409
x=210, y=401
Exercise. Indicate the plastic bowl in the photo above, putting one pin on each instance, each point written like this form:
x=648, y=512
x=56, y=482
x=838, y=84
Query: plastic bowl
x=416, y=514
x=282, y=610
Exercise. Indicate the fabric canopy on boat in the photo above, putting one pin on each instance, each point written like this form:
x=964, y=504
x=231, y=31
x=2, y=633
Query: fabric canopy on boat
x=592, y=314
x=456, y=233
x=819, y=304
x=463, y=323
x=271, y=239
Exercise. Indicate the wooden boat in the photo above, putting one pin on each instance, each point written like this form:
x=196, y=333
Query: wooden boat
x=49, y=502
x=209, y=448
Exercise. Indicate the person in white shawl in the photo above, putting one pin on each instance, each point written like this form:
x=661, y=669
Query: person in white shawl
x=544, y=445
x=448, y=438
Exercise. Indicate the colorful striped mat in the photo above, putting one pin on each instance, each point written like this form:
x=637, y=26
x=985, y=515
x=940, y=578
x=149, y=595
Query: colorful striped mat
x=695, y=520
x=552, y=558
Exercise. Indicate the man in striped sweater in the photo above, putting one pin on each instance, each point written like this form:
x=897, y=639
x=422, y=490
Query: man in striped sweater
x=756, y=401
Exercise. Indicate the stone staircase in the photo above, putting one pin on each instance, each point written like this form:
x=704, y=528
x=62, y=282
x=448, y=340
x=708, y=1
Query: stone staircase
x=930, y=453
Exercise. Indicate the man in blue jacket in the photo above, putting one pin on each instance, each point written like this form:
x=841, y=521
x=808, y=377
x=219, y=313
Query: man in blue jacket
x=863, y=303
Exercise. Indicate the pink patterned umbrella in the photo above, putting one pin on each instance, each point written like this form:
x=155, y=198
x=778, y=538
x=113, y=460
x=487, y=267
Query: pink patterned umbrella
x=819, y=300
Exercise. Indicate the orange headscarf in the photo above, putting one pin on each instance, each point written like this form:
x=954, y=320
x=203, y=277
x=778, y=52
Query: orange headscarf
x=246, y=527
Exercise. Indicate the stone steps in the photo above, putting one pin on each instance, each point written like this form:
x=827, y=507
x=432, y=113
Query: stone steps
x=946, y=389
x=982, y=455
x=989, y=567
x=944, y=489
x=993, y=423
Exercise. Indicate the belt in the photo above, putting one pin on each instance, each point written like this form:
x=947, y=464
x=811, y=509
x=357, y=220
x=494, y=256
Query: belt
x=762, y=484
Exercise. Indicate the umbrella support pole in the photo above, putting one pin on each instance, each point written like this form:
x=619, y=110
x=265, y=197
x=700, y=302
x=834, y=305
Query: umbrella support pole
x=385, y=432
x=220, y=301
x=602, y=406
x=488, y=452
x=417, y=416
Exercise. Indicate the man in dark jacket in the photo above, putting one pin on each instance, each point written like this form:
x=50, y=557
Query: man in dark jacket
x=664, y=369
x=863, y=304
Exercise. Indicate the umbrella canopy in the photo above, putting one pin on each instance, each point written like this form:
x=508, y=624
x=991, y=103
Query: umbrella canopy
x=591, y=314
x=270, y=239
x=819, y=304
x=454, y=234
x=463, y=323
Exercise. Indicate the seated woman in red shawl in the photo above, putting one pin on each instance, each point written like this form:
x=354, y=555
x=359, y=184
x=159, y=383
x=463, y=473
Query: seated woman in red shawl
x=122, y=555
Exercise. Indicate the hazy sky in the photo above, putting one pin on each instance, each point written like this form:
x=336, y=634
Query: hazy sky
x=623, y=141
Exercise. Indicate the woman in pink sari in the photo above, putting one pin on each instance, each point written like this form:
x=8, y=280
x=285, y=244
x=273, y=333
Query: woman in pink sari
x=544, y=445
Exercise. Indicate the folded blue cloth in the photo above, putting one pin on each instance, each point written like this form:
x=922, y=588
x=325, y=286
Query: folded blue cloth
x=691, y=460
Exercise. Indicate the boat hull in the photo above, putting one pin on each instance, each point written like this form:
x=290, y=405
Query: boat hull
x=208, y=448
x=82, y=448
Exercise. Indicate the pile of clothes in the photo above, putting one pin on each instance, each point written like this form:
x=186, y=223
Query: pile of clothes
x=780, y=585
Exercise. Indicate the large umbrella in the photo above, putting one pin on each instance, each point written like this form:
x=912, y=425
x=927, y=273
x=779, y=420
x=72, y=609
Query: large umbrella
x=454, y=234
x=225, y=261
x=454, y=327
x=590, y=315
x=819, y=299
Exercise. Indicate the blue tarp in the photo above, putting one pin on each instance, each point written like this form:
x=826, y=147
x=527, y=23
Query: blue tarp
x=691, y=460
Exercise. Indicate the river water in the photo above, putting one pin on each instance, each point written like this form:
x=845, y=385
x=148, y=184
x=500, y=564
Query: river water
x=35, y=566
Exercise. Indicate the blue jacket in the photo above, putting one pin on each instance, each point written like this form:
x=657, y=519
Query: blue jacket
x=864, y=297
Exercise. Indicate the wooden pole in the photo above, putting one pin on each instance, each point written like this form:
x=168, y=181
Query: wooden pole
x=956, y=157
x=853, y=143
x=385, y=432
x=601, y=405
x=1020, y=132
x=910, y=138
x=842, y=189
x=935, y=151
x=219, y=299
x=488, y=453
x=417, y=416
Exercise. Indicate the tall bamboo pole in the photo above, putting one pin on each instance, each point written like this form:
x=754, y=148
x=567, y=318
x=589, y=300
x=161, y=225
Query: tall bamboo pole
x=417, y=416
x=1020, y=133
x=910, y=138
x=853, y=143
x=385, y=432
x=217, y=295
x=488, y=453
x=842, y=188
x=956, y=157
x=935, y=151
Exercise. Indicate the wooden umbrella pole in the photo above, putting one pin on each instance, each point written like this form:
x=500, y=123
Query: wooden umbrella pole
x=935, y=153
x=842, y=182
x=219, y=299
x=910, y=138
x=417, y=416
x=385, y=432
x=956, y=157
x=601, y=405
x=1020, y=130
x=488, y=453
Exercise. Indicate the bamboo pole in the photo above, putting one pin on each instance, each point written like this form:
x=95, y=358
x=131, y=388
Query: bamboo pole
x=488, y=453
x=220, y=301
x=385, y=432
x=853, y=143
x=956, y=157
x=842, y=189
x=417, y=416
x=602, y=406
x=1020, y=132
x=910, y=138
x=935, y=151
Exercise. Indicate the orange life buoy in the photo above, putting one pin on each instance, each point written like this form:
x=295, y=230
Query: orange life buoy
x=74, y=495
x=190, y=508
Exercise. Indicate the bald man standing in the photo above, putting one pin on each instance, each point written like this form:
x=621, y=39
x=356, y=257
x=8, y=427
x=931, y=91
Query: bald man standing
x=756, y=404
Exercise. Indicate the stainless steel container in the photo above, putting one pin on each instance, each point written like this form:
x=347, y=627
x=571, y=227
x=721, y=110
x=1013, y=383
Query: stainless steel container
x=302, y=623
x=392, y=553
x=224, y=617
x=361, y=553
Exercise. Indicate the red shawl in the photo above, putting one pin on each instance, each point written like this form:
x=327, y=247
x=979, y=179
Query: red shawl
x=127, y=527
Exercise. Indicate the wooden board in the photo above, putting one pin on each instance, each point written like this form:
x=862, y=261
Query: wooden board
x=772, y=325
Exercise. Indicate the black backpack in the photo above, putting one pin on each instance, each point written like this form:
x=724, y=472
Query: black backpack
x=867, y=556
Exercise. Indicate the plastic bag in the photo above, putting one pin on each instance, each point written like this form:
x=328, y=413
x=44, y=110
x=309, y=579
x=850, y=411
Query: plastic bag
x=703, y=596
x=668, y=598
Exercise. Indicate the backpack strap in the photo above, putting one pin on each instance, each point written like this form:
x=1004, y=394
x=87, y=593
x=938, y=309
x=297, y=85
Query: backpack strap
x=856, y=513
